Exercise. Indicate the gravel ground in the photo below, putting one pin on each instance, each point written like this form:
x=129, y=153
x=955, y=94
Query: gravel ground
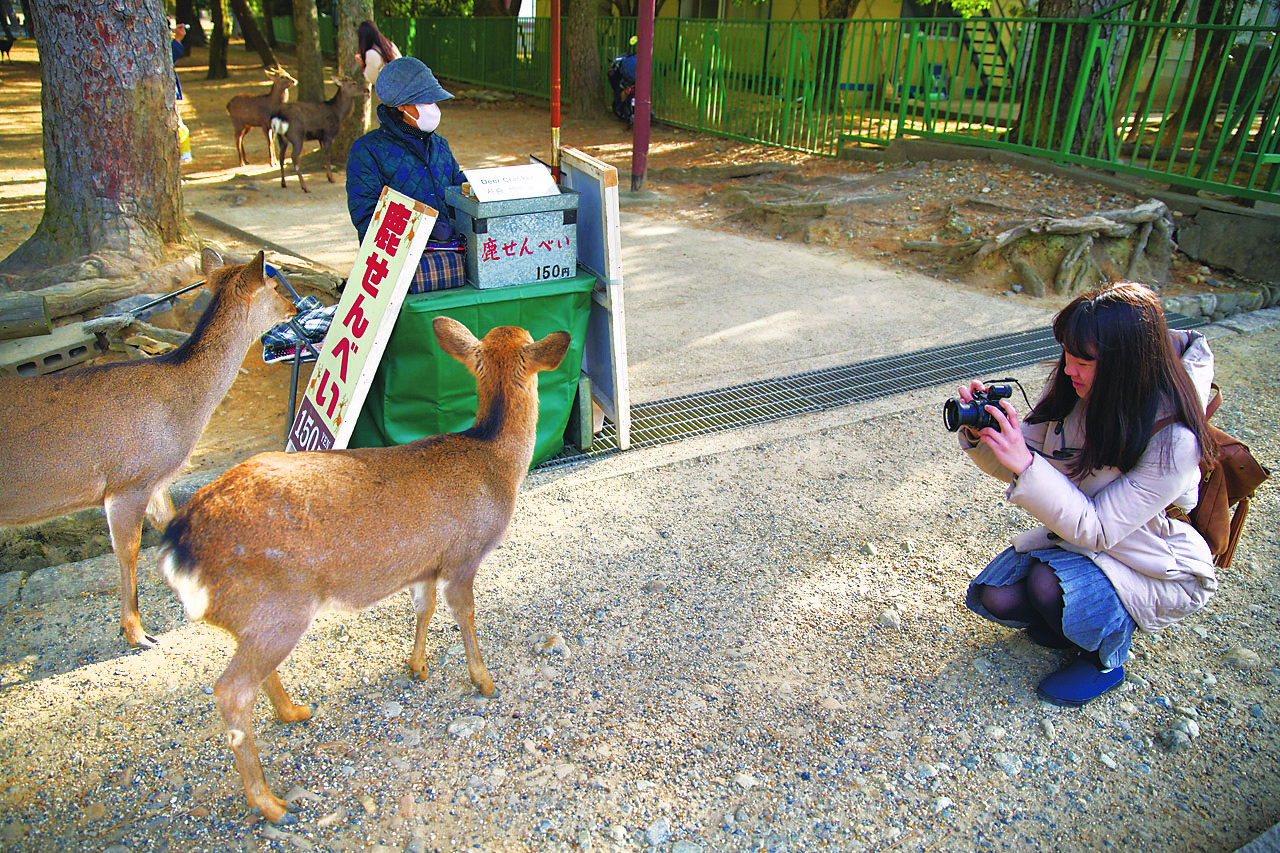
x=749, y=641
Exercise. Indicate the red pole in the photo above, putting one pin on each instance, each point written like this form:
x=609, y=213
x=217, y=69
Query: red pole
x=644, y=85
x=555, y=89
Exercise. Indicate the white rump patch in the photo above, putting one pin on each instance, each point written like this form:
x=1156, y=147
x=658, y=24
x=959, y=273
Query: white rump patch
x=192, y=594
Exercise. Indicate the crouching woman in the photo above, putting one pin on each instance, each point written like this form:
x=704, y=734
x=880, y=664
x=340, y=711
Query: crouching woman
x=1115, y=440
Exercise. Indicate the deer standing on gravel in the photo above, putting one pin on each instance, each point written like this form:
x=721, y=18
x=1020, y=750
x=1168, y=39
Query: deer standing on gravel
x=250, y=111
x=294, y=124
x=282, y=536
x=115, y=435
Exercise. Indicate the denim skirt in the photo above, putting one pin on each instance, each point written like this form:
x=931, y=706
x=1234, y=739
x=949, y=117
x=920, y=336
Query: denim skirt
x=1093, y=616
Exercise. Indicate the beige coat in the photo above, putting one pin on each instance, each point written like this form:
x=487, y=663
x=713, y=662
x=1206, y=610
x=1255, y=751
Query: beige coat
x=1160, y=568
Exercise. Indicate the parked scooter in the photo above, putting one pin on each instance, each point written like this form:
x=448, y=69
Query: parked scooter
x=622, y=79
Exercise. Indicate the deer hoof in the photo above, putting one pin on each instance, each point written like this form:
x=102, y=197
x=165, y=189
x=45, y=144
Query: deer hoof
x=139, y=638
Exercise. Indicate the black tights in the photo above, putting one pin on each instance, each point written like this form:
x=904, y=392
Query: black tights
x=1036, y=599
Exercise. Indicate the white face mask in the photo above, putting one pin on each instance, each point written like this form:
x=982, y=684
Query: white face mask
x=425, y=117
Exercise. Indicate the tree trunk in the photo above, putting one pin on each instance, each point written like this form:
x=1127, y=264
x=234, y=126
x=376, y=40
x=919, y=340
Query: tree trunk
x=1059, y=56
x=112, y=188
x=351, y=13
x=252, y=35
x=185, y=12
x=306, y=25
x=217, y=40
x=495, y=9
x=268, y=23
x=586, y=94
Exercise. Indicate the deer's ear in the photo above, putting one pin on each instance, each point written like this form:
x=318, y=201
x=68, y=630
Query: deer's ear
x=547, y=353
x=456, y=339
x=210, y=261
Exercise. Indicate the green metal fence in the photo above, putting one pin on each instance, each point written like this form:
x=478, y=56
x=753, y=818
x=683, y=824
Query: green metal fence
x=1189, y=104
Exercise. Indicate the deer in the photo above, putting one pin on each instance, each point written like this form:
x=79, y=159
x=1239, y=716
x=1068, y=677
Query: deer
x=116, y=435
x=294, y=124
x=281, y=537
x=250, y=111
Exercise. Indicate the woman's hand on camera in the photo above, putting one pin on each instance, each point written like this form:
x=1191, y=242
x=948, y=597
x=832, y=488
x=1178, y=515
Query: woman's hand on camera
x=1007, y=443
x=966, y=392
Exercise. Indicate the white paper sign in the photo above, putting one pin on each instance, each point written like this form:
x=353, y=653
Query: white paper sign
x=504, y=183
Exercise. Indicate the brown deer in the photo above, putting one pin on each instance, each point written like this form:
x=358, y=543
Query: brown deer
x=282, y=536
x=294, y=124
x=115, y=435
x=250, y=111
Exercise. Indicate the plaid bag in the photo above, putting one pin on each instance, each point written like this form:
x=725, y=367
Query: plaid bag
x=443, y=265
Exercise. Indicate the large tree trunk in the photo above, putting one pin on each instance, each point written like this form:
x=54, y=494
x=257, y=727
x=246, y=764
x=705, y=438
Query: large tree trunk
x=306, y=25
x=218, y=40
x=112, y=187
x=586, y=93
x=496, y=8
x=351, y=13
x=1059, y=55
x=252, y=35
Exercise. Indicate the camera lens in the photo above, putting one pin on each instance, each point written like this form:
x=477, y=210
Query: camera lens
x=953, y=414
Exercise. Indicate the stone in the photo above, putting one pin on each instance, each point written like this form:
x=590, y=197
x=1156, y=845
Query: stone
x=1242, y=658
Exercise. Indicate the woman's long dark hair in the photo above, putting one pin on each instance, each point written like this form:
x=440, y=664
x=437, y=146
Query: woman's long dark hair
x=369, y=37
x=1122, y=328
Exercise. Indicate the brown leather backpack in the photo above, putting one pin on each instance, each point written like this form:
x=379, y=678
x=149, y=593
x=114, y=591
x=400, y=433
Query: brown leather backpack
x=1226, y=485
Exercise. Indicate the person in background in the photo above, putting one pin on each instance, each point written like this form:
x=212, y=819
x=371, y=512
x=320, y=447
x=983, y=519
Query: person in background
x=179, y=50
x=1107, y=460
x=373, y=52
x=406, y=151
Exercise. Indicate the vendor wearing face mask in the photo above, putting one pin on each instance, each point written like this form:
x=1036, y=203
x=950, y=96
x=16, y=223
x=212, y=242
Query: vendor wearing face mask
x=406, y=152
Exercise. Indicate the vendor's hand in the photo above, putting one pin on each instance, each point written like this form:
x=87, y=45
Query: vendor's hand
x=1007, y=443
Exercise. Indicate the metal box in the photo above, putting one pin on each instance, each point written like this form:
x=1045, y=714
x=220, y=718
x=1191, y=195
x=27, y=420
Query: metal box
x=517, y=241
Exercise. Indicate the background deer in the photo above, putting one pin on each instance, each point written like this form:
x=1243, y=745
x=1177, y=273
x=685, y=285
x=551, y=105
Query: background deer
x=115, y=435
x=250, y=111
x=278, y=538
x=294, y=124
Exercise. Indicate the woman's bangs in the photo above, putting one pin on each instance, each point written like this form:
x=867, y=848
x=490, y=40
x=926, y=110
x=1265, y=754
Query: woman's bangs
x=1077, y=332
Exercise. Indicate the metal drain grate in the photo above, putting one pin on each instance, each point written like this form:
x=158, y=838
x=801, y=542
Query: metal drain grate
x=751, y=403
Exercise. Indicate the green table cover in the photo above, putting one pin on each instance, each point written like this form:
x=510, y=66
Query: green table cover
x=419, y=390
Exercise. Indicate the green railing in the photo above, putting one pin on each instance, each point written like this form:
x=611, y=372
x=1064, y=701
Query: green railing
x=1189, y=104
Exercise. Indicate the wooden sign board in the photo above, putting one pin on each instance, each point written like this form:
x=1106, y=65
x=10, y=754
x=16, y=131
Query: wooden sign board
x=604, y=357
x=362, y=323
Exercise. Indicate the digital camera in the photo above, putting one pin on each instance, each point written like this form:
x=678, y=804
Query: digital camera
x=956, y=414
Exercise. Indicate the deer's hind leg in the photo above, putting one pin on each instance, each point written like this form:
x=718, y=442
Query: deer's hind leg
x=253, y=667
x=462, y=602
x=424, y=604
x=124, y=522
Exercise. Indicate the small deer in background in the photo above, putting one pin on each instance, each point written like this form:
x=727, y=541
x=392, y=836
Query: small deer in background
x=294, y=124
x=115, y=435
x=250, y=111
x=282, y=536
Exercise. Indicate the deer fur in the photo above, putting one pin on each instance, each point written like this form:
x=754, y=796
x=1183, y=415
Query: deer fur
x=115, y=435
x=281, y=537
x=250, y=111
x=294, y=124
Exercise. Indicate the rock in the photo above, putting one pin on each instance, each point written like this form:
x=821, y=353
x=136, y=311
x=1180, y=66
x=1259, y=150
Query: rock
x=745, y=781
x=942, y=804
x=616, y=834
x=391, y=709
x=1188, y=726
x=658, y=832
x=550, y=644
x=1106, y=759
x=466, y=726
x=1242, y=658
x=10, y=584
x=984, y=666
x=1174, y=740
x=1046, y=726
x=686, y=847
x=891, y=618
x=655, y=586
x=1009, y=763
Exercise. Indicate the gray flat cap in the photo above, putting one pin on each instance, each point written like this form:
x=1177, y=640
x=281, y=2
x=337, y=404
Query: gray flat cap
x=407, y=81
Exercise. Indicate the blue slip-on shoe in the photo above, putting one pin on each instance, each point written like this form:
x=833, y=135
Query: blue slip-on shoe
x=1079, y=683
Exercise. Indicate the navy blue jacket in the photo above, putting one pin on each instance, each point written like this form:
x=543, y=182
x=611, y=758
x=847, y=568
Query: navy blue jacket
x=399, y=156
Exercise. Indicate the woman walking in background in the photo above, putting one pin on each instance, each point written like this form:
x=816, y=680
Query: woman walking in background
x=374, y=50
